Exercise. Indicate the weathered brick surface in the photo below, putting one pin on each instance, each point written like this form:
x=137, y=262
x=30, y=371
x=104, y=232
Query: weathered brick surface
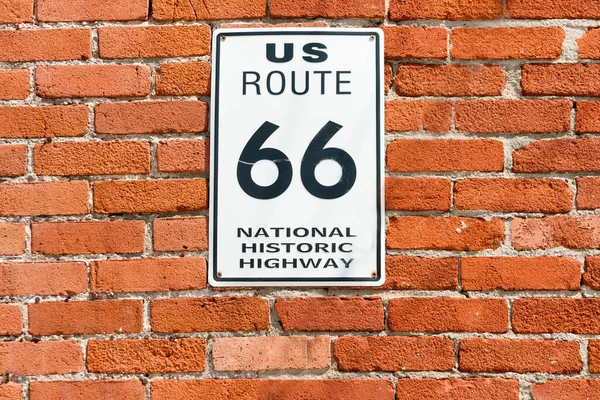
x=16, y=11
x=449, y=80
x=13, y=160
x=331, y=314
x=458, y=389
x=506, y=43
x=271, y=353
x=92, y=158
x=438, y=9
x=443, y=233
x=408, y=155
x=154, y=41
x=41, y=357
x=85, y=317
x=520, y=273
x=93, y=389
x=146, y=356
x=14, y=84
x=397, y=353
x=448, y=315
x=210, y=314
x=151, y=117
x=419, y=273
x=270, y=389
x=491, y=162
x=93, y=81
x=180, y=79
x=148, y=275
x=509, y=355
x=45, y=45
x=43, y=122
x=43, y=278
x=91, y=10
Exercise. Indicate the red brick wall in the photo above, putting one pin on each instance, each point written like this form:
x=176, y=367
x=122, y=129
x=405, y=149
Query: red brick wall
x=492, y=188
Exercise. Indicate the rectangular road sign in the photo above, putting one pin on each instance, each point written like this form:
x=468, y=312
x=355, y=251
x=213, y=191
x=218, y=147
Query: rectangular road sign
x=297, y=158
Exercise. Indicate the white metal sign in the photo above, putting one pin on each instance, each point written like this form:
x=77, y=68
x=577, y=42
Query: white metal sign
x=296, y=158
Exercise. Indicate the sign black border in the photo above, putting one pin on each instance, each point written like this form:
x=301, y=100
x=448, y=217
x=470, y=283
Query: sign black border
x=215, y=137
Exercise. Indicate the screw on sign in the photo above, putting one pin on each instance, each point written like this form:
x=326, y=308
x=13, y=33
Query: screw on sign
x=297, y=168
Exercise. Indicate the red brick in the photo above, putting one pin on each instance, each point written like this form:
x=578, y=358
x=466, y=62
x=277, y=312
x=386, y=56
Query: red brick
x=132, y=389
x=331, y=314
x=534, y=9
x=588, y=117
x=91, y=10
x=507, y=43
x=148, y=275
x=183, y=156
x=14, y=12
x=591, y=277
x=272, y=389
x=10, y=391
x=387, y=78
x=413, y=116
x=514, y=116
x=415, y=42
x=11, y=321
x=210, y=314
x=558, y=155
x=587, y=189
x=151, y=117
x=419, y=273
x=150, y=196
x=513, y=195
x=556, y=315
x=449, y=80
x=444, y=233
x=520, y=273
x=85, y=317
x=92, y=158
x=14, y=83
x=365, y=9
x=448, y=315
x=183, y=79
x=573, y=232
x=41, y=358
x=89, y=237
x=589, y=45
x=13, y=160
x=401, y=10
x=154, y=41
x=560, y=80
x=12, y=239
x=458, y=389
x=208, y=10
x=92, y=81
x=521, y=356
x=594, y=356
x=566, y=389
x=445, y=155
x=43, y=122
x=181, y=234
x=146, y=356
x=270, y=353
x=44, y=198
x=417, y=194
x=45, y=45
x=394, y=353
x=43, y=278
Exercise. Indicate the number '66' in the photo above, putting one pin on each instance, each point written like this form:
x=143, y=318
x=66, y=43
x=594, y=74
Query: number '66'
x=315, y=153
